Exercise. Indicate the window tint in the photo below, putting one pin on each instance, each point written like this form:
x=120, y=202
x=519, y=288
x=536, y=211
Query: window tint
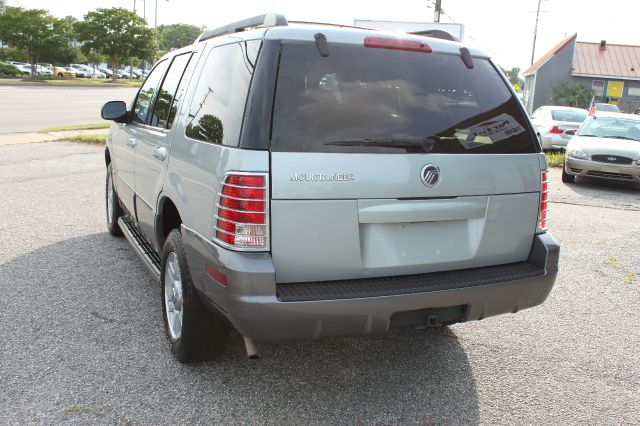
x=166, y=104
x=219, y=100
x=570, y=116
x=375, y=100
x=147, y=93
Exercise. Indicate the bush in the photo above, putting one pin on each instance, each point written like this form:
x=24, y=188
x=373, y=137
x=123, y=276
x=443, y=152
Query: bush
x=8, y=70
x=13, y=54
x=570, y=94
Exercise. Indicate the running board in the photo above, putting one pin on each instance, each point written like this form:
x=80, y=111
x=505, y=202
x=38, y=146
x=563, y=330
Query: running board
x=149, y=257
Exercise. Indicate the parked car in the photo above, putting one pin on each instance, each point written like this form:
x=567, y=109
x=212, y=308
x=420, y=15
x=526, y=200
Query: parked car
x=604, y=107
x=106, y=71
x=123, y=73
x=324, y=203
x=43, y=71
x=79, y=72
x=606, y=146
x=62, y=72
x=552, y=123
x=24, y=68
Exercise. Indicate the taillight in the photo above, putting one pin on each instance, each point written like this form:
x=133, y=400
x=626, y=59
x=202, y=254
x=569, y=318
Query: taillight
x=241, y=212
x=544, y=199
x=556, y=130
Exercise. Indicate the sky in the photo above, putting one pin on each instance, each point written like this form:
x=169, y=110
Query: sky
x=504, y=28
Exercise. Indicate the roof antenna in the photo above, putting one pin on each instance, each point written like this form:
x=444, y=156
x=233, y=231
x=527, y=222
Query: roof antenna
x=321, y=44
x=466, y=57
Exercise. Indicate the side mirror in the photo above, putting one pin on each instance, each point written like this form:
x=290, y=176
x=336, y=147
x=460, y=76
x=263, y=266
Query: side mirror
x=114, y=110
x=570, y=132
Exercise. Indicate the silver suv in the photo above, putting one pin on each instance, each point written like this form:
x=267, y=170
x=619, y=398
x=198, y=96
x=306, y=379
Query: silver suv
x=294, y=181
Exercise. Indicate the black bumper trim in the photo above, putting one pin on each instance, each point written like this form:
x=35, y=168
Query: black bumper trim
x=406, y=284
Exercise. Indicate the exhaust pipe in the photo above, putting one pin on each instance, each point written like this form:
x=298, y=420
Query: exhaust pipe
x=251, y=347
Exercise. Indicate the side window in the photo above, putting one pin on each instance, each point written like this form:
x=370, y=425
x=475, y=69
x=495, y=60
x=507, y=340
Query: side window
x=219, y=99
x=166, y=103
x=147, y=93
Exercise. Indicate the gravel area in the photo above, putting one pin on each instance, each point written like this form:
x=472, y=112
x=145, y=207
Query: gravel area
x=83, y=341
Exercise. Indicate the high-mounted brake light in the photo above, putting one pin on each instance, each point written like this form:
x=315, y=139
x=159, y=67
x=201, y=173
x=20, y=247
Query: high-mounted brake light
x=544, y=199
x=241, y=212
x=556, y=130
x=397, y=44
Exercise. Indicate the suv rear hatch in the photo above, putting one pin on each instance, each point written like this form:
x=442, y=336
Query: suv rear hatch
x=389, y=162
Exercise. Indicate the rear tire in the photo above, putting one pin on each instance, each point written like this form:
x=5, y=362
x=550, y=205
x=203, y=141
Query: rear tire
x=195, y=334
x=112, y=203
x=566, y=177
x=60, y=75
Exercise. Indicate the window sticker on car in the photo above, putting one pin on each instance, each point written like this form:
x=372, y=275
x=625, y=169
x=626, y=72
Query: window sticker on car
x=490, y=131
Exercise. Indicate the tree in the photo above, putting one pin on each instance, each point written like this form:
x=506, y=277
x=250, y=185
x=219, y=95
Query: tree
x=33, y=30
x=513, y=76
x=569, y=94
x=117, y=33
x=177, y=35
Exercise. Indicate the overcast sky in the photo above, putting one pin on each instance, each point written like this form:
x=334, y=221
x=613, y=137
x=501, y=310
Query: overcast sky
x=503, y=27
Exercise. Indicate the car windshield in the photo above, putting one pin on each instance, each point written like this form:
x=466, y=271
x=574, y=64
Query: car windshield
x=611, y=127
x=607, y=108
x=569, y=116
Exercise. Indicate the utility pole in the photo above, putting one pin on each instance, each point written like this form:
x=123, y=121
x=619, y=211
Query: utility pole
x=436, y=11
x=535, y=33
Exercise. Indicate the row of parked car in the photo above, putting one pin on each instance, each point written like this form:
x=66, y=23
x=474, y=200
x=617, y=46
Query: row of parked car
x=78, y=71
x=605, y=144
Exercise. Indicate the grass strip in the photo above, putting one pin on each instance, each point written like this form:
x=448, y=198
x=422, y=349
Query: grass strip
x=91, y=139
x=93, y=126
x=555, y=158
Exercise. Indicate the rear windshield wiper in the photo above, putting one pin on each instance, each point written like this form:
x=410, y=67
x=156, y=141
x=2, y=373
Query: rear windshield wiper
x=413, y=145
x=590, y=136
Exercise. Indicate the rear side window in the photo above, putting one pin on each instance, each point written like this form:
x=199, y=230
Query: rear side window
x=217, y=107
x=569, y=116
x=147, y=93
x=166, y=104
x=365, y=100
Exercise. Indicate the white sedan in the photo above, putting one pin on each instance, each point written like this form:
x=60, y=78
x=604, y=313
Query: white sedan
x=606, y=146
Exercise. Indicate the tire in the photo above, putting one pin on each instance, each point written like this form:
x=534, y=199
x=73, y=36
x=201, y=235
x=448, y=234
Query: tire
x=566, y=177
x=195, y=334
x=60, y=75
x=112, y=205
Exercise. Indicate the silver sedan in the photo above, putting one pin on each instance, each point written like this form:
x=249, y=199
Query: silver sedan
x=554, y=124
x=606, y=146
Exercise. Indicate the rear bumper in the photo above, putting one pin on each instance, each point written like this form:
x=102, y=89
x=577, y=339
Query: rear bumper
x=254, y=305
x=595, y=169
x=554, y=141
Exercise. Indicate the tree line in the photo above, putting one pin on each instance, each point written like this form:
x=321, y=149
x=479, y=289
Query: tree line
x=116, y=36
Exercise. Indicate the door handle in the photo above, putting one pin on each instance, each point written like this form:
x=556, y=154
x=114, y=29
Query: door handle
x=160, y=153
x=132, y=142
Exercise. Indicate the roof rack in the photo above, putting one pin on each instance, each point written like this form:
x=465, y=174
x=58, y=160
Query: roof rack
x=266, y=20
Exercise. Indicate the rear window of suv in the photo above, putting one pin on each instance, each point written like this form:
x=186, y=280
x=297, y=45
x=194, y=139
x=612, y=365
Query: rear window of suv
x=365, y=100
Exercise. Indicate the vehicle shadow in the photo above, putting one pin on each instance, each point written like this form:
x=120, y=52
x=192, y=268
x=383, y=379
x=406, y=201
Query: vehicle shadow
x=82, y=326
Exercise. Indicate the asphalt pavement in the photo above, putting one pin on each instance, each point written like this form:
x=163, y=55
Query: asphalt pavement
x=82, y=337
x=31, y=108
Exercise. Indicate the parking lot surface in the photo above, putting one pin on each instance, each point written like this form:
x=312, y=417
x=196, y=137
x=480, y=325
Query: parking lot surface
x=83, y=340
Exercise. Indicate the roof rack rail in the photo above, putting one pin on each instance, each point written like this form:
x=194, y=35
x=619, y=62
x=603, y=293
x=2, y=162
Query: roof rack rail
x=266, y=20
